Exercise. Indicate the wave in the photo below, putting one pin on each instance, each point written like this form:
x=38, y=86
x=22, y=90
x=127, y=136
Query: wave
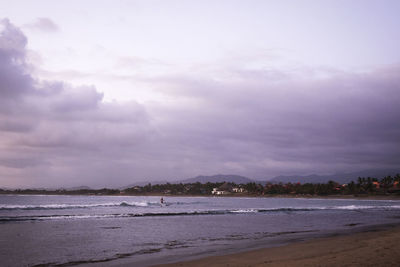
x=293, y=209
x=157, y=204
x=94, y=205
x=363, y=207
x=100, y=216
x=355, y=207
x=128, y=215
x=159, y=214
x=78, y=206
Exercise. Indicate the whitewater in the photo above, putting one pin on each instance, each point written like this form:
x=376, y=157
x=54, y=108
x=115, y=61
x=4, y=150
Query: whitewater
x=108, y=230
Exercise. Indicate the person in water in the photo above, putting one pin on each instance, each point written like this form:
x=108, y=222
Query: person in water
x=162, y=201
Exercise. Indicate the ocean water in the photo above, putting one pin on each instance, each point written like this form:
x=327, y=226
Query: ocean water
x=43, y=230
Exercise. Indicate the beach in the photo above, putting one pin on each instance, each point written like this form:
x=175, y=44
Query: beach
x=372, y=248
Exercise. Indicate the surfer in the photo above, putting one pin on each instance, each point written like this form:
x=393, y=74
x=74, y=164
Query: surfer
x=162, y=200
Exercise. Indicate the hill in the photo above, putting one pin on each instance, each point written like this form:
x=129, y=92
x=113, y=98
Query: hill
x=237, y=179
x=339, y=177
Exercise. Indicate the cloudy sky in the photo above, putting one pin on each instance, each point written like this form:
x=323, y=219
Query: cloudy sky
x=106, y=93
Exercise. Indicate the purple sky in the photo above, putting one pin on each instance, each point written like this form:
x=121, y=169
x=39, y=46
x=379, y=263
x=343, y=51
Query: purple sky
x=152, y=92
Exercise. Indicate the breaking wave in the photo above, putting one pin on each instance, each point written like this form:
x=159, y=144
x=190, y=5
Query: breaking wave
x=157, y=204
x=77, y=206
x=94, y=205
x=171, y=213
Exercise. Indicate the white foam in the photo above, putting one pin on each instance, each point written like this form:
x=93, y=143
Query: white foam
x=74, y=206
x=245, y=211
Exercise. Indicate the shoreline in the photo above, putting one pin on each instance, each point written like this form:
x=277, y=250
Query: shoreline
x=372, y=247
x=358, y=197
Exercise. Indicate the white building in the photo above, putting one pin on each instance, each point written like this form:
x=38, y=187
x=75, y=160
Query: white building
x=217, y=191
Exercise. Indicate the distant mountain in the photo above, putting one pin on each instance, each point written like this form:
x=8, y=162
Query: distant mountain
x=339, y=177
x=313, y=178
x=237, y=179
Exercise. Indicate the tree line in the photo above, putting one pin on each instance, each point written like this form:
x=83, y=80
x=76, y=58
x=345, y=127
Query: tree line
x=362, y=186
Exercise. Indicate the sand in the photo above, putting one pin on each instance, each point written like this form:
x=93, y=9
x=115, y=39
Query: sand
x=379, y=248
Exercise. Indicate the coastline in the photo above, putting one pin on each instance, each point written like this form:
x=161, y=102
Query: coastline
x=374, y=247
x=358, y=197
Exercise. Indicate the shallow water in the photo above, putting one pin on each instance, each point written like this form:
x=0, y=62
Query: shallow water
x=72, y=230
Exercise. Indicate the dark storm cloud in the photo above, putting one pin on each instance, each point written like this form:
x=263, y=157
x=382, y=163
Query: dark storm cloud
x=254, y=123
x=344, y=121
x=69, y=128
x=13, y=78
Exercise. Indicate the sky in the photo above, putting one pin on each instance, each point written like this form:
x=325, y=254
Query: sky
x=108, y=93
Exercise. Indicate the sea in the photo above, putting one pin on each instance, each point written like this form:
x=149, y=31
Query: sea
x=54, y=230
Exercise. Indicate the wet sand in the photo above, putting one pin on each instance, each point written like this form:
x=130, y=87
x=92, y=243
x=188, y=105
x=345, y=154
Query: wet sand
x=375, y=248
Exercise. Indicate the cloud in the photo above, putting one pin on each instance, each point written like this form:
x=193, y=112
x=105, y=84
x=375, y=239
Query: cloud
x=258, y=123
x=14, y=80
x=55, y=122
x=343, y=122
x=43, y=24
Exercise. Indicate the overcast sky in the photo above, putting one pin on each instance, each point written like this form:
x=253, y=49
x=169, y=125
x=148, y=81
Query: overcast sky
x=106, y=93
